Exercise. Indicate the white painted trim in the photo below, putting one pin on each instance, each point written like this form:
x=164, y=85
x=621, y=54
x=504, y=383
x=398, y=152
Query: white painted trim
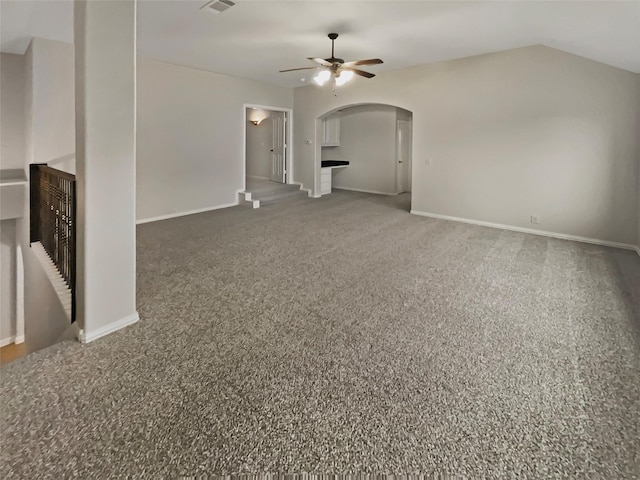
x=107, y=329
x=562, y=236
x=19, y=295
x=365, y=191
x=8, y=341
x=302, y=189
x=184, y=214
x=638, y=250
x=134, y=170
x=248, y=196
x=10, y=183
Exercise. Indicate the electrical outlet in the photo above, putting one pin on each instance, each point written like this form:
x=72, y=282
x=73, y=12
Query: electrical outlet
x=535, y=219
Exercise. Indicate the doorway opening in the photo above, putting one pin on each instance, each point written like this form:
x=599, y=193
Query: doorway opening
x=366, y=147
x=267, y=154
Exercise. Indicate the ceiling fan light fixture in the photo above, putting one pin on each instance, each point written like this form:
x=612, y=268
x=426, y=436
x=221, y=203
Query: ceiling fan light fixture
x=336, y=69
x=343, y=77
x=322, y=77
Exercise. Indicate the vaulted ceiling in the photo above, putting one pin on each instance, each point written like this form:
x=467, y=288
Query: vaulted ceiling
x=255, y=39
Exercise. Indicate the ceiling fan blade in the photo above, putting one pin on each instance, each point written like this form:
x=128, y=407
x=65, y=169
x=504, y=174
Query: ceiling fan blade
x=303, y=68
x=362, y=73
x=321, y=61
x=371, y=61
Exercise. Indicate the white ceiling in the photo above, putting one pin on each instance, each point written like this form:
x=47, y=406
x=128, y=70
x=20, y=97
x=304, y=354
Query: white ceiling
x=256, y=38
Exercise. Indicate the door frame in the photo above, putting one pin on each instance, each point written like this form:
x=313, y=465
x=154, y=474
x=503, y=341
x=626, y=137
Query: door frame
x=408, y=161
x=288, y=155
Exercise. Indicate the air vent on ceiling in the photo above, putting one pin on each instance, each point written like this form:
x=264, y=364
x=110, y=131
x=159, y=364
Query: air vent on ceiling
x=217, y=6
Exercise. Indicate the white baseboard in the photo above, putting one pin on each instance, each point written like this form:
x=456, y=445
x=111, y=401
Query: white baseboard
x=19, y=339
x=8, y=341
x=562, y=236
x=364, y=191
x=183, y=214
x=107, y=329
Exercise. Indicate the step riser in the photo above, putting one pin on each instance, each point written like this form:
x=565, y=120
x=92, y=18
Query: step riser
x=271, y=194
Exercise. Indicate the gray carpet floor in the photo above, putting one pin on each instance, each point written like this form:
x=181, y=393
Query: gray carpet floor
x=344, y=335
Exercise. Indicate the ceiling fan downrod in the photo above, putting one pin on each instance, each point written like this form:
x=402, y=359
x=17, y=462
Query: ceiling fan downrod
x=333, y=37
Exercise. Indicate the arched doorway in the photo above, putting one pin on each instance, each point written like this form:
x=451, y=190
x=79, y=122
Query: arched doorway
x=365, y=147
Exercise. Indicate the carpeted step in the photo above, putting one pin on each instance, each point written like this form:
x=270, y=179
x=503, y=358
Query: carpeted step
x=276, y=196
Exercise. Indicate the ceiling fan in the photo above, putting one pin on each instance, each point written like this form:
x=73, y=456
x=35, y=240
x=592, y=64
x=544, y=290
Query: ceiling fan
x=337, y=68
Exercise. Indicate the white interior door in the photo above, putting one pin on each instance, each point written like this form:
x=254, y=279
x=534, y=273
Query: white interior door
x=278, y=152
x=403, y=153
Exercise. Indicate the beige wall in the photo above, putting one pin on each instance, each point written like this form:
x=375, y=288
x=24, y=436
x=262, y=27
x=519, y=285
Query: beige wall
x=190, y=138
x=189, y=127
x=500, y=137
x=638, y=162
x=12, y=105
x=368, y=142
x=259, y=144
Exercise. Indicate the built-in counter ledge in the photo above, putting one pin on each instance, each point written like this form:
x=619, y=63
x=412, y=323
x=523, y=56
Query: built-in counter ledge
x=334, y=163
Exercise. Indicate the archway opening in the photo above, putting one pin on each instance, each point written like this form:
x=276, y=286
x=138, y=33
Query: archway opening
x=365, y=148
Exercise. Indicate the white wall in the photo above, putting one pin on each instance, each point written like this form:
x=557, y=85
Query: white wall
x=259, y=144
x=7, y=280
x=368, y=142
x=190, y=138
x=404, y=115
x=12, y=105
x=105, y=99
x=50, y=102
x=526, y=131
